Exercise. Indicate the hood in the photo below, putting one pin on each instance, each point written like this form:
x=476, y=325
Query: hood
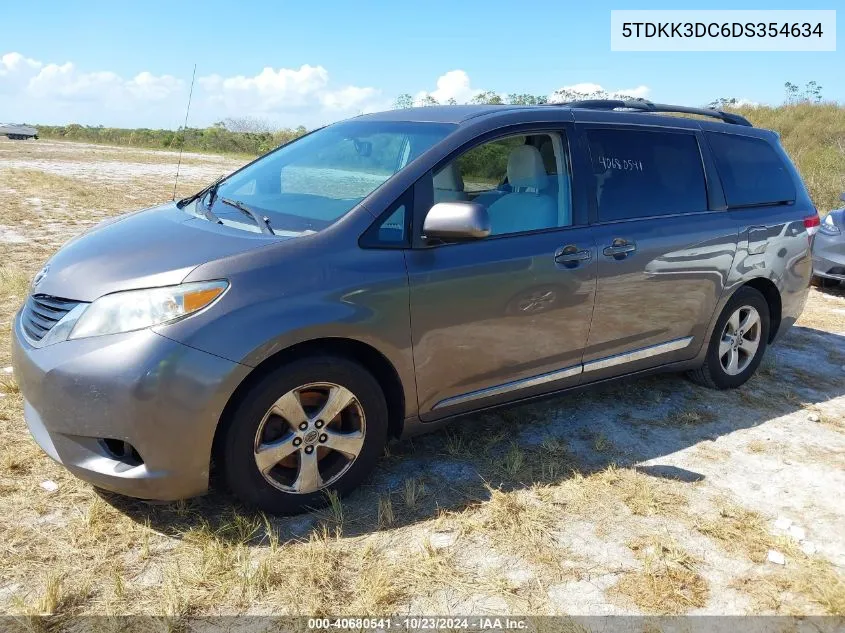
x=154, y=247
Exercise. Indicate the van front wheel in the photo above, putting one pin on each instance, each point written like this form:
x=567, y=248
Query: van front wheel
x=309, y=427
x=738, y=342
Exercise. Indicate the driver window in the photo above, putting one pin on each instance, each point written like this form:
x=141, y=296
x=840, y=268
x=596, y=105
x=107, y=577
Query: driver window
x=522, y=181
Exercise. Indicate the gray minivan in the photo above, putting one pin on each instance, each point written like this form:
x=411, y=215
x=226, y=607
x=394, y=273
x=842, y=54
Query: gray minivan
x=387, y=273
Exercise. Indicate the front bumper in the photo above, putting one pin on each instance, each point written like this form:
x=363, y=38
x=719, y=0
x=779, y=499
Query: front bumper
x=162, y=397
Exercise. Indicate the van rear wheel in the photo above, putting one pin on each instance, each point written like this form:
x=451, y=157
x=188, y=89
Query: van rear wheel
x=738, y=342
x=312, y=426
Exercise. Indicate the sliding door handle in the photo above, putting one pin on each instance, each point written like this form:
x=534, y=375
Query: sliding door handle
x=620, y=249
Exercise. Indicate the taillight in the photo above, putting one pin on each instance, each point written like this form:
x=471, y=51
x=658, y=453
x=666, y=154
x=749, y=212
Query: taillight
x=812, y=223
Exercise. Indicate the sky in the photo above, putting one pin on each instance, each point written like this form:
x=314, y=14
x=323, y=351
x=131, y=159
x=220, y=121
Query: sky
x=309, y=63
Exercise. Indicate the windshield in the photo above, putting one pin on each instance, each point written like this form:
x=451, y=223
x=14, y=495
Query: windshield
x=308, y=184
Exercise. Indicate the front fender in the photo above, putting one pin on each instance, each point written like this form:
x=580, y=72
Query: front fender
x=360, y=295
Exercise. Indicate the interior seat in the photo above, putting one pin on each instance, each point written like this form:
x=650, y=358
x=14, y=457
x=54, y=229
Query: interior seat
x=526, y=208
x=449, y=185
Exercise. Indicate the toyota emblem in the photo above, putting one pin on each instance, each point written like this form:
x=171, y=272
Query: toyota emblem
x=40, y=276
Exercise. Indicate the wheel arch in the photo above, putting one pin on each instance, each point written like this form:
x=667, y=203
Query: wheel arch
x=771, y=294
x=374, y=361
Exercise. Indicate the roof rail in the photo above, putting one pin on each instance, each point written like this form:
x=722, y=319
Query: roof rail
x=642, y=105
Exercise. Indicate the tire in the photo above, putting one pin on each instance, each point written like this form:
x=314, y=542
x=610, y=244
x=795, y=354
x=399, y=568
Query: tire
x=255, y=432
x=714, y=373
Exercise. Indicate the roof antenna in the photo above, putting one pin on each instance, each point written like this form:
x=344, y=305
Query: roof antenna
x=184, y=131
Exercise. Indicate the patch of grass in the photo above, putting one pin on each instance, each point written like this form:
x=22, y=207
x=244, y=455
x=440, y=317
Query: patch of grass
x=386, y=517
x=514, y=460
x=738, y=530
x=742, y=531
x=757, y=446
x=455, y=445
x=412, y=492
x=14, y=283
x=642, y=494
x=668, y=582
x=335, y=510
x=691, y=417
x=518, y=523
x=603, y=445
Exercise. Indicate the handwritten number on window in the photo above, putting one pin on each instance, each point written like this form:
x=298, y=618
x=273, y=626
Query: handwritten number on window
x=621, y=164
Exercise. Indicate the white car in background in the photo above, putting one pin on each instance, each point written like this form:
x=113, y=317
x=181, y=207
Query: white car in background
x=829, y=249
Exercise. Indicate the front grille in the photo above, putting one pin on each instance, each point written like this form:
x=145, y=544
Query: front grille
x=42, y=312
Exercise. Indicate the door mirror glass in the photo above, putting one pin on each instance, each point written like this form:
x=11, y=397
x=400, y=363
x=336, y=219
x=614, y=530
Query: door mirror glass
x=457, y=221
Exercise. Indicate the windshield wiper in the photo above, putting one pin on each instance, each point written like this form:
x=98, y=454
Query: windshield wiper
x=263, y=222
x=212, y=187
x=206, y=209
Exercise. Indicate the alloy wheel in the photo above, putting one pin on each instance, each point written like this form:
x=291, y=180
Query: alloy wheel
x=740, y=340
x=310, y=437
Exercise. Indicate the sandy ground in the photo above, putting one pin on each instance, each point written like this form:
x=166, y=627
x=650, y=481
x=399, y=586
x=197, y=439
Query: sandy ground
x=648, y=496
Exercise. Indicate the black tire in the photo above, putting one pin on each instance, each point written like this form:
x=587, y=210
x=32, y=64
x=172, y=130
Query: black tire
x=712, y=374
x=240, y=471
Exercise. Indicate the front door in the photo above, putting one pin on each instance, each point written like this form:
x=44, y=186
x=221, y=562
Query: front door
x=506, y=316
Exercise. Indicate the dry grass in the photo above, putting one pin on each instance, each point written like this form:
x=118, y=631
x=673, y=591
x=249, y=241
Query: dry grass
x=668, y=582
x=741, y=531
x=601, y=494
x=757, y=446
x=689, y=417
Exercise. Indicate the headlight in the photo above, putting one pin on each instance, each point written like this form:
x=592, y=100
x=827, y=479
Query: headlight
x=139, y=309
x=828, y=227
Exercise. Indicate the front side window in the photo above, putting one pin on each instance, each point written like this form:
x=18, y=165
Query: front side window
x=752, y=173
x=523, y=182
x=312, y=182
x=641, y=174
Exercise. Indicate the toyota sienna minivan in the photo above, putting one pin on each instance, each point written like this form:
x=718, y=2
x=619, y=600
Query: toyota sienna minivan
x=387, y=273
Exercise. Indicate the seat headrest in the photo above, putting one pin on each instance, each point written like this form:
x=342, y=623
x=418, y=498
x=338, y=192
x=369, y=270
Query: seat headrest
x=449, y=178
x=547, y=152
x=525, y=168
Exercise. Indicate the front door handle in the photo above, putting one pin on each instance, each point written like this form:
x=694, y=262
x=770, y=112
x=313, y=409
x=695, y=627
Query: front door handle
x=620, y=248
x=571, y=256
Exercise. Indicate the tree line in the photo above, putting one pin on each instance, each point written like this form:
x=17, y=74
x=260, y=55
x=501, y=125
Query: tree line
x=251, y=137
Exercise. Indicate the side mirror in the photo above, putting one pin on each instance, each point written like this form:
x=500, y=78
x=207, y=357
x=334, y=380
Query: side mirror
x=457, y=221
x=842, y=197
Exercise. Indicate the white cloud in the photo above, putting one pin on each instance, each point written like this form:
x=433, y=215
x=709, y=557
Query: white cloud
x=62, y=93
x=285, y=91
x=595, y=91
x=12, y=63
x=455, y=84
x=352, y=97
x=47, y=92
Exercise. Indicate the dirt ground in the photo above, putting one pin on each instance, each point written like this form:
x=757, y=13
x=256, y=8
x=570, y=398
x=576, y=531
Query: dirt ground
x=652, y=496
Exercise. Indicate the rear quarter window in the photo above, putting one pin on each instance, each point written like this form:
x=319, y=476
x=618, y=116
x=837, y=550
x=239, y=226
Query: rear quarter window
x=646, y=173
x=752, y=172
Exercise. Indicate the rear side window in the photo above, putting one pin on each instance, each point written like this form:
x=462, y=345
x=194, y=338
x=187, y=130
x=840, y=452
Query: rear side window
x=752, y=172
x=641, y=173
